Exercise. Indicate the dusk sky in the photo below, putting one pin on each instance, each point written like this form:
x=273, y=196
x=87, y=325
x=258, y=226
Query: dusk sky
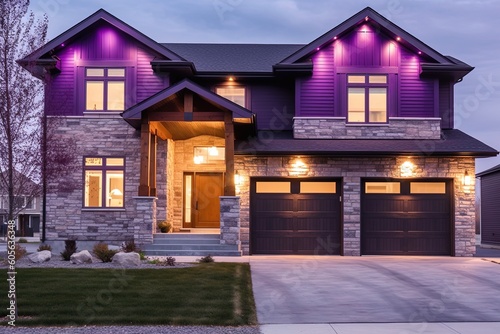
x=464, y=29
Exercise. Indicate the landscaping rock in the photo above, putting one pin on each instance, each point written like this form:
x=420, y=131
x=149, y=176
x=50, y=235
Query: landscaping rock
x=127, y=259
x=81, y=257
x=40, y=257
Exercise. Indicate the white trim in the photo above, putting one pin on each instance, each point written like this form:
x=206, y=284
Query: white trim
x=145, y=197
x=103, y=209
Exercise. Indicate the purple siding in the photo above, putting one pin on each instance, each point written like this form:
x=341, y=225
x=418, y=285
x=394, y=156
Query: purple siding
x=416, y=95
x=274, y=105
x=60, y=92
x=105, y=46
x=446, y=104
x=366, y=47
x=490, y=210
x=315, y=95
x=148, y=83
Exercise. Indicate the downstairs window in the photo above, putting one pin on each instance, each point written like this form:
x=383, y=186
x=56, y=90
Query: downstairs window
x=104, y=184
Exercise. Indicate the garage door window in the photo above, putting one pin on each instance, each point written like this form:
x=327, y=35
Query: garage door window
x=318, y=187
x=428, y=188
x=273, y=187
x=382, y=187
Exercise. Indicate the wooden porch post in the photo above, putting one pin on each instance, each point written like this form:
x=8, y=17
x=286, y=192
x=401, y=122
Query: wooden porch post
x=152, y=165
x=229, y=189
x=144, y=189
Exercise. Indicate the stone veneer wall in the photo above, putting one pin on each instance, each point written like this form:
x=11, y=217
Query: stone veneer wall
x=336, y=128
x=183, y=162
x=230, y=221
x=95, y=136
x=351, y=170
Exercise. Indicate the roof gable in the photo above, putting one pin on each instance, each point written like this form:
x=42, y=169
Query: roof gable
x=101, y=15
x=372, y=17
x=134, y=114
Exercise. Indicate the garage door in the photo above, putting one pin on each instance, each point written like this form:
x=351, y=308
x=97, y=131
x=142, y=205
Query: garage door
x=406, y=217
x=291, y=216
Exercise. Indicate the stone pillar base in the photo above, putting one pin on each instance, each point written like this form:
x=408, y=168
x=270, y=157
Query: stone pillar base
x=230, y=221
x=144, y=220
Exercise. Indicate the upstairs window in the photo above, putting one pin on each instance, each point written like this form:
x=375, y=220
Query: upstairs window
x=104, y=186
x=235, y=94
x=105, y=89
x=366, y=98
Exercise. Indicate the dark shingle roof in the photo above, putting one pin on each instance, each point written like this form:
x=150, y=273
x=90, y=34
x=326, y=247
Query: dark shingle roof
x=453, y=143
x=489, y=171
x=237, y=58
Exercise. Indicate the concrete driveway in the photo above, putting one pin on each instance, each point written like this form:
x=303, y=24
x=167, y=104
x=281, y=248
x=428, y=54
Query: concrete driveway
x=335, y=289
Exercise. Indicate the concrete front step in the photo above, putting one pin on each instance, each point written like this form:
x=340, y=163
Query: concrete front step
x=185, y=236
x=189, y=244
x=191, y=253
x=155, y=246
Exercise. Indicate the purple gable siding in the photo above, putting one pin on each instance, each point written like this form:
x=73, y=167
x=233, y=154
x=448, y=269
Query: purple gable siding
x=366, y=47
x=315, y=95
x=102, y=45
x=366, y=50
x=416, y=95
x=274, y=106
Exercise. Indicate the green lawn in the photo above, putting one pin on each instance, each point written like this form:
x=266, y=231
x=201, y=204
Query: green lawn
x=206, y=294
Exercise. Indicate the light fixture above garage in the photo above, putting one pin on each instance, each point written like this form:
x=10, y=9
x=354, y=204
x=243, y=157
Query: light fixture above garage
x=407, y=169
x=299, y=168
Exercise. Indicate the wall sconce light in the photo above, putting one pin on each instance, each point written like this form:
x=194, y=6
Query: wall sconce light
x=467, y=179
x=299, y=168
x=407, y=169
x=238, y=179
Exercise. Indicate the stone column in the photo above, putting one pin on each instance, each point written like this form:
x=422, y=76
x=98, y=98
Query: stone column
x=144, y=220
x=230, y=220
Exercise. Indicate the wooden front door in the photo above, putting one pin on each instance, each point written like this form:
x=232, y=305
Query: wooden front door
x=208, y=187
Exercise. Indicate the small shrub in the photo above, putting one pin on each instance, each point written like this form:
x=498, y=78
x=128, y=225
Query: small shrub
x=43, y=247
x=22, y=241
x=19, y=251
x=165, y=226
x=169, y=261
x=206, y=259
x=142, y=255
x=69, y=249
x=103, y=253
x=129, y=246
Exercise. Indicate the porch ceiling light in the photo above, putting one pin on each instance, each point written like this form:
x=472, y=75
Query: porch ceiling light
x=407, y=169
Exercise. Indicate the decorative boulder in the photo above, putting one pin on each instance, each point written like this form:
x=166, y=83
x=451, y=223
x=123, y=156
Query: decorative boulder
x=81, y=257
x=40, y=257
x=127, y=259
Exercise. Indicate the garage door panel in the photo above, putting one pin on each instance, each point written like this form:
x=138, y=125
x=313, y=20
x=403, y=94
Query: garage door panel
x=407, y=223
x=296, y=223
x=274, y=204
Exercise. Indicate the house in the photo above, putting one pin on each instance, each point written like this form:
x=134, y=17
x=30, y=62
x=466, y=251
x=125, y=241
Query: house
x=345, y=145
x=490, y=209
x=27, y=207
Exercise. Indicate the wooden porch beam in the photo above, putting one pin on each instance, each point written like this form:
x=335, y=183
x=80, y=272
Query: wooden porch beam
x=188, y=106
x=152, y=165
x=160, y=130
x=229, y=189
x=178, y=116
x=145, y=159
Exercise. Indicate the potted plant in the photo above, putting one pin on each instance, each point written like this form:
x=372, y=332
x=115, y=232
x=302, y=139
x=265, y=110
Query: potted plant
x=164, y=226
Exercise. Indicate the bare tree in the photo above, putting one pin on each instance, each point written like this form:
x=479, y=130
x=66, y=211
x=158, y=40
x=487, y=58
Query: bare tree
x=21, y=103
